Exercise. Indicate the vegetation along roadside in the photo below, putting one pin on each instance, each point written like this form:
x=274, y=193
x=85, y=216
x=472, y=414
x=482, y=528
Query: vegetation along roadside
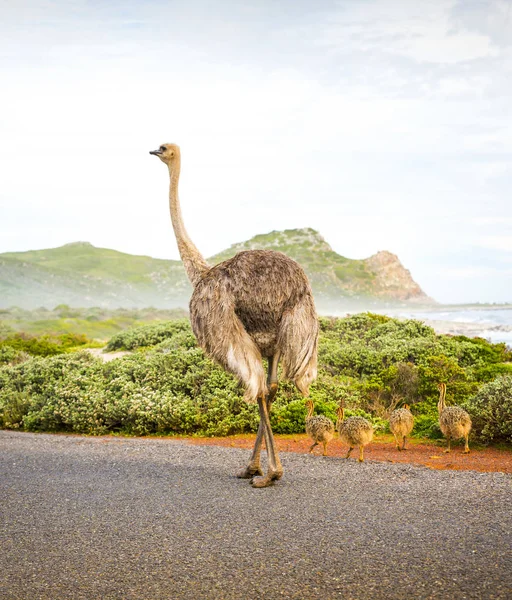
x=166, y=385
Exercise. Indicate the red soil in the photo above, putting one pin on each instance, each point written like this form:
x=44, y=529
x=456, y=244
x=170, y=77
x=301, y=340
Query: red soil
x=383, y=449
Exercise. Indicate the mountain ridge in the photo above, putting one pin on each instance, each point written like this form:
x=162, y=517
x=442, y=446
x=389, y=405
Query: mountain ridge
x=80, y=274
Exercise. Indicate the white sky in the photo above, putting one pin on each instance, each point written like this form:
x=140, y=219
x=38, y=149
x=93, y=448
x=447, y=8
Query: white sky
x=384, y=124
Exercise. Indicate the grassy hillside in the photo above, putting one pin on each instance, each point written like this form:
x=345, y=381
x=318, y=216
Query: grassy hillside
x=96, y=323
x=332, y=276
x=80, y=274
x=84, y=259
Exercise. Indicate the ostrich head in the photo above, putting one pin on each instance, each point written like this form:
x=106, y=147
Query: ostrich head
x=167, y=153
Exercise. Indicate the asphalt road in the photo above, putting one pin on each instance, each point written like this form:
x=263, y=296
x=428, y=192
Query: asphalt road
x=149, y=519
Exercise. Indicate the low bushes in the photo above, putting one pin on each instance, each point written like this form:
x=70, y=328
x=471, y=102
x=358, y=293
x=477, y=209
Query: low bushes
x=45, y=345
x=148, y=335
x=491, y=410
x=374, y=363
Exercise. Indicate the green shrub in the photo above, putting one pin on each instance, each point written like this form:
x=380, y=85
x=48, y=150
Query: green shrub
x=169, y=386
x=148, y=335
x=9, y=355
x=427, y=426
x=487, y=373
x=12, y=413
x=45, y=345
x=491, y=410
x=437, y=369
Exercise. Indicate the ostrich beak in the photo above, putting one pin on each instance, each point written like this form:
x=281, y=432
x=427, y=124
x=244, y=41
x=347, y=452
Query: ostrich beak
x=156, y=152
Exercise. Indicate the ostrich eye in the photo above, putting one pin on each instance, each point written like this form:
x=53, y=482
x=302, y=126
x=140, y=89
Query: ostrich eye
x=162, y=148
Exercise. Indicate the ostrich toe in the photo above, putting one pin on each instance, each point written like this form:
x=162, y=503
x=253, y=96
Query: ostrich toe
x=249, y=472
x=261, y=482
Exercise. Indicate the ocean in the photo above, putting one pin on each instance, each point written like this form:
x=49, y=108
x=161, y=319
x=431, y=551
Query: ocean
x=494, y=324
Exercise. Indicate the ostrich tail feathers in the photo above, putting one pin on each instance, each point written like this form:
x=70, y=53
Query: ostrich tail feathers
x=298, y=343
x=223, y=337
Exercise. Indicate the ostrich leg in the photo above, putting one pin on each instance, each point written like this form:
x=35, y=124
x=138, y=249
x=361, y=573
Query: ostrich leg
x=275, y=470
x=403, y=447
x=466, y=445
x=273, y=363
x=448, y=449
x=254, y=468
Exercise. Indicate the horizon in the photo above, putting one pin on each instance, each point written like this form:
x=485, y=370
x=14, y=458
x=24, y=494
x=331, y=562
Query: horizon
x=383, y=125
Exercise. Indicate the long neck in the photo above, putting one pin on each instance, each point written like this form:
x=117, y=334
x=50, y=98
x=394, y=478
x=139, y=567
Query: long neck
x=441, y=405
x=341, y=415
x=193, y=261
x=310, y=406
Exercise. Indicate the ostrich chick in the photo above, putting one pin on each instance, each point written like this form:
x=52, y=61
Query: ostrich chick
x=319, y=428
x=354, y=431
x=455, y=423
x=401, y=423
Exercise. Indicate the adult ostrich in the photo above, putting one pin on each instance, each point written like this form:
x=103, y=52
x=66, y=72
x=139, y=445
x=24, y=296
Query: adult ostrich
x=254, y=305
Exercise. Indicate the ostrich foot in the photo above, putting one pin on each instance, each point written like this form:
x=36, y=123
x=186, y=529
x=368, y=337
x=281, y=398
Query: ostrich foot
x=261, y=482
x=399, y=448
x=466, y=451
x=249, y=472
x=360, y=459
x=446, y=451
x=265, y=481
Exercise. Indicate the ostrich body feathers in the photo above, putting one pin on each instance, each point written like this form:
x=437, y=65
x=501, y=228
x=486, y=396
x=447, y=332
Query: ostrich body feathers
x=454, y=422
x=355, y=431
x=257, y=304
x=401, y=422
x=320, y=428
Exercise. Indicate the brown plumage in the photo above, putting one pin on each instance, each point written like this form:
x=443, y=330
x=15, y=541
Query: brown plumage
x=401, y=423
x=255, y=305
x=319, y=428
x=354, y=431
x=455, y=423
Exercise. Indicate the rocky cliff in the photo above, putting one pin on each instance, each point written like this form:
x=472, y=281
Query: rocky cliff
x=392, y=279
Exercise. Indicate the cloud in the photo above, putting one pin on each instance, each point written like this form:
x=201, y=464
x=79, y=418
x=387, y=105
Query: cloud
x=482, y=220
x=417, y=31
x=472, y=272
x=497, y=242
x=382, y=124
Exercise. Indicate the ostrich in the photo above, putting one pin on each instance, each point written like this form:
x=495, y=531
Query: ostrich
x=401, y=423
x=319, y=428
x=255, y=305
x=455, y=423
x=354, y=431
